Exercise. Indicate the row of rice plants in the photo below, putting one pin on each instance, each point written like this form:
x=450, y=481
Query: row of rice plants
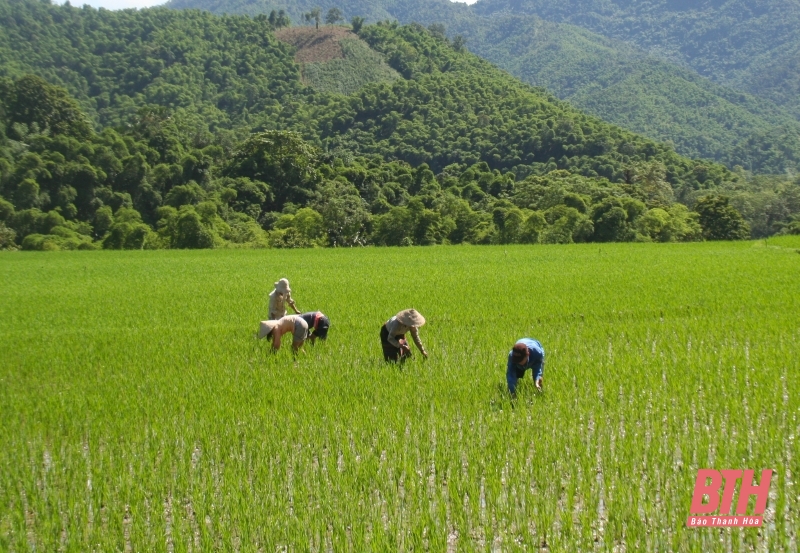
x=141, y=414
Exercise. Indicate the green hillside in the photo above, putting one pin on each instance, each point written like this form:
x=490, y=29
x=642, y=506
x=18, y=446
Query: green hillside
x=230, y=74
x=621, y=84
x=602, y=76
x=453, y=150
x=750, y=45
x=333, y=59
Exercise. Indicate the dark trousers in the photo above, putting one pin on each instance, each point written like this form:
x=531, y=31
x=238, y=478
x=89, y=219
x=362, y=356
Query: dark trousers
x=391, y=352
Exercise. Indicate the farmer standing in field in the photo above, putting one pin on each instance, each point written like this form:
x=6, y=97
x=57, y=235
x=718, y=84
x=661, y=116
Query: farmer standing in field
x=393, y=335
x=526, y=354
x=278, y=299
x=318, y=325
x=274, y=330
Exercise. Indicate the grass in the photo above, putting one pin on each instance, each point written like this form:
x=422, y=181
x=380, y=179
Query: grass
x=359, y=67
x=334, y=59
x=139, y=413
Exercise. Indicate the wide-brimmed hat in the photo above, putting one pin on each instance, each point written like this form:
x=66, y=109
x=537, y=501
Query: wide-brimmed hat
x=282, y=286
x=410, y=317
x=266, y=327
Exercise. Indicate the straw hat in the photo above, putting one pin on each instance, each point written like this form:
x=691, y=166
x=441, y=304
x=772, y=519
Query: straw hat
x=282, y=286
x=410, y=317
x=266, y=327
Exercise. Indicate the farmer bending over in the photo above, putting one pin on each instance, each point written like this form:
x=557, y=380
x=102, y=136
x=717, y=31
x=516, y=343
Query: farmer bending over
x=274, y=330
x=526, y=354
x=393, y=335
x=318, y=325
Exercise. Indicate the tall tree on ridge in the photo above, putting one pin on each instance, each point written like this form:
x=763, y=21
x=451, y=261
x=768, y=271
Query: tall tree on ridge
x=334, y=16
x=314, y=15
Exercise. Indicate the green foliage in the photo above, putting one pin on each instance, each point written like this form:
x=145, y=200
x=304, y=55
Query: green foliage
x=314, y=15
x=547, y=44
x=720, y=220
x=277, y=19
x=185, y=228
x=356, y=23
x=333, y=16
x=768, y=204
x=792, y=228
x=677, y=224
x=281, y=159
x=128, y=232
x=209, y=72
x=451, y=151
x=303, y=229
x=621, y=84
x=412, y=225
x=345, y=214
x=7, y=235
x=31, y=102
x=60, y=237
x=748, y=44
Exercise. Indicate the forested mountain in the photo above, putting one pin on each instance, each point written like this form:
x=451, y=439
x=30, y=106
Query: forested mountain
x=149, y=144
x=750, y=45
x=607, y=77
x=622, y=84
x=225, y=74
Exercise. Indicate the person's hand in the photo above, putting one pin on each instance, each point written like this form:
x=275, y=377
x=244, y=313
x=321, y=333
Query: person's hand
x=539, y=382
x=425, y=354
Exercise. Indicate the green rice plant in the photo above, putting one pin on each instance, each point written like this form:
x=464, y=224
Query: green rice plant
x=140, y=412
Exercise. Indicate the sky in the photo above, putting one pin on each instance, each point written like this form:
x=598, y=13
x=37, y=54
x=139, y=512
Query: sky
x=122, y=4
x=117, y=4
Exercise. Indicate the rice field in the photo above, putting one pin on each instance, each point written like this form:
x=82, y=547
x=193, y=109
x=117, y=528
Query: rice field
x=140, y=413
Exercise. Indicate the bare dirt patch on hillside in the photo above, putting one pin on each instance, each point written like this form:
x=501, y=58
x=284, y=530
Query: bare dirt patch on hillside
x=315, y=45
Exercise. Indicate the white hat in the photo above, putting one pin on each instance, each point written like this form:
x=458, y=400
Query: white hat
x=282, y=286
x=266, y=327
x=410, y=317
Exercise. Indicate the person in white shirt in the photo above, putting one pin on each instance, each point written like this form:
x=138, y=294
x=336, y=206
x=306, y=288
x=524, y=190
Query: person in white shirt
x=279, y=298
x=393, y=335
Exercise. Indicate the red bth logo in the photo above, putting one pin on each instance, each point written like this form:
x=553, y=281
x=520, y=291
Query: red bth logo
x=709, y=482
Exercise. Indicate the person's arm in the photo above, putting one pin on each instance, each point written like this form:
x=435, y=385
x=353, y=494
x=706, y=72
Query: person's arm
x=538, y=374
x=276, y=338
x=418, y=342
x=290, y=301
x=511, y=378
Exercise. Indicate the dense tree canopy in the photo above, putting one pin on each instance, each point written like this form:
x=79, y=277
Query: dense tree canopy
x=749, y=44
x=451, y=151
x=750, y=50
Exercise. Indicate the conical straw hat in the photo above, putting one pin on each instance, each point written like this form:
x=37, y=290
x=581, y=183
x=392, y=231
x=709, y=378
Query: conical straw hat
x=266, y=327
x=410, y=317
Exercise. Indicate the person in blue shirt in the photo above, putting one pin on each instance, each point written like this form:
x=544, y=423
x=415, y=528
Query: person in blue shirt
x=526, y=354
